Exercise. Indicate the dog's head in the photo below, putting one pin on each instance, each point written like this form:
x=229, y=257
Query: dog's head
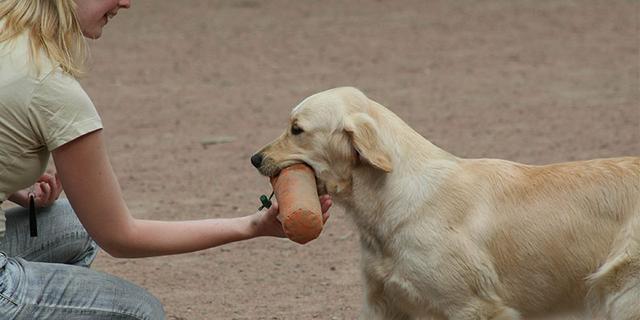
x=333, y=132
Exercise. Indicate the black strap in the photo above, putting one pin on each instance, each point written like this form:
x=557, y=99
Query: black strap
x=33, y=224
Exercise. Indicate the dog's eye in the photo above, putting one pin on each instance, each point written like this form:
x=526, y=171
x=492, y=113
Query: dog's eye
x=295, y=130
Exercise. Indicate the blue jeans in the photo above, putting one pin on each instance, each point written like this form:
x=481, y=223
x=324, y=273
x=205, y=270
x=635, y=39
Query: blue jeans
x=48, y=277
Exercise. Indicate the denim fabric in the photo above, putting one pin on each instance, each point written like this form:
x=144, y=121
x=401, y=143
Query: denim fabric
x=47, y=277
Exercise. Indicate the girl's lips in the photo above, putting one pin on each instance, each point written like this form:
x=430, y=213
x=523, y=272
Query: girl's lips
x=109, y=16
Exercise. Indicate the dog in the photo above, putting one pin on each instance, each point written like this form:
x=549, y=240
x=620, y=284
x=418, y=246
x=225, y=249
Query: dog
x=449, y=238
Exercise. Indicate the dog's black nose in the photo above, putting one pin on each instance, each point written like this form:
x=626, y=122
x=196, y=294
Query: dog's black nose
x=256, y=160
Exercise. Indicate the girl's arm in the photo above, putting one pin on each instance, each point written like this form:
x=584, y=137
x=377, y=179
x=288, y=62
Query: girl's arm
x=95, y=195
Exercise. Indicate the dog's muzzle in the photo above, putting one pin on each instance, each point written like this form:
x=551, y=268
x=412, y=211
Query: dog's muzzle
x=256, y=160
x=265, y=165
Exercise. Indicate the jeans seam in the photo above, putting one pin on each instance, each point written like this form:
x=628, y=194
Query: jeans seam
x=9, y=299
x=71, y=309
x=57, y=241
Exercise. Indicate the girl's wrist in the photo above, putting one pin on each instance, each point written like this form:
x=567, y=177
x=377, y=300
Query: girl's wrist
x=19, y=198
x=249, y=226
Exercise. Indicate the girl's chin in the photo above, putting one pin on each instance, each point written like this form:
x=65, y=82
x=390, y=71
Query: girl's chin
x=92, y=34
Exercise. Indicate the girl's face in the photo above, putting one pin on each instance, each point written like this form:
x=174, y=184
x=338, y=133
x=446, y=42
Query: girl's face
x=94, y=14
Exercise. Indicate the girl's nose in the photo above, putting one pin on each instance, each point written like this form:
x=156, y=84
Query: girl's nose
x=124, y=3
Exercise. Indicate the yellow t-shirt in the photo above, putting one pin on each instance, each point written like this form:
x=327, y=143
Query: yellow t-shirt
x=38, y=113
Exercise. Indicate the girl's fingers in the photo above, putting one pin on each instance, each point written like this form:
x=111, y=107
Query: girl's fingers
x=325, y=216
x=325, y=203
x=43, y=189
x=53, y=193
x=40, y=190
x=273, y=210
x=46, y=193
x=47, y=178
x=46, y=188
x=40, y=193
x=51, y=187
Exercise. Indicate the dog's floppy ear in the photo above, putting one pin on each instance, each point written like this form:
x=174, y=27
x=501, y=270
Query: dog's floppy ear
x=365, y=138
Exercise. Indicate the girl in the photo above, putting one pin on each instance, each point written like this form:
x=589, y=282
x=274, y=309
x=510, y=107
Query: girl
x=44, y=111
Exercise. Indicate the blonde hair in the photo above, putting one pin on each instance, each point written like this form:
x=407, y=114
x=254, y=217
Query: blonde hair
x=53, y=29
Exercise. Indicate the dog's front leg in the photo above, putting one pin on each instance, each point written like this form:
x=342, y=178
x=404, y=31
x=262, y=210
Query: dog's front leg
x=377, y=306
x=380, y=310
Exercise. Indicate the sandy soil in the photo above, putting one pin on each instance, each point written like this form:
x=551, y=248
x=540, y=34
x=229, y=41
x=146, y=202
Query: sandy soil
x=530, y=81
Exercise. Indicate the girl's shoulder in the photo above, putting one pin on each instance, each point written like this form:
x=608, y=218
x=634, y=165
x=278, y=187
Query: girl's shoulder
x=19, y=60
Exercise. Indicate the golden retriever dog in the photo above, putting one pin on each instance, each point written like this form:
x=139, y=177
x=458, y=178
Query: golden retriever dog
x=449, y=238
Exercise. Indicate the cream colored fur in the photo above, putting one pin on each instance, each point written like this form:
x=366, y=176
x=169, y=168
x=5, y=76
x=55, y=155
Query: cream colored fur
x=450, y=238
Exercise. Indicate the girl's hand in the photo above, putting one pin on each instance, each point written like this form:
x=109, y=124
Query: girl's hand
x=266, y=223
x=47, y=190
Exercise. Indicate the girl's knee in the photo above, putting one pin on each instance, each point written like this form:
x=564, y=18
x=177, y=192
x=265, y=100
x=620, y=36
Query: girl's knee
x=156, y=310
x=81, y=248
x=148, y=306
x=60, y=207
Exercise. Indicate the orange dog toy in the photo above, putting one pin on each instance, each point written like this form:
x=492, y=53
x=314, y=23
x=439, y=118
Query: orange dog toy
x=300, y=212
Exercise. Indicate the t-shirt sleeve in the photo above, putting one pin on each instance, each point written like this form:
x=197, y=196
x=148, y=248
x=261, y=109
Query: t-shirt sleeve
x=61, y=110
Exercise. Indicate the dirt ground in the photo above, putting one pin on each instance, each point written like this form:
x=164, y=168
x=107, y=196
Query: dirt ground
x=530, y=81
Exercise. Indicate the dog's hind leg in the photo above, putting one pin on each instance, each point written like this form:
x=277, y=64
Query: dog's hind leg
x=625, y=305
x=614, y=290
